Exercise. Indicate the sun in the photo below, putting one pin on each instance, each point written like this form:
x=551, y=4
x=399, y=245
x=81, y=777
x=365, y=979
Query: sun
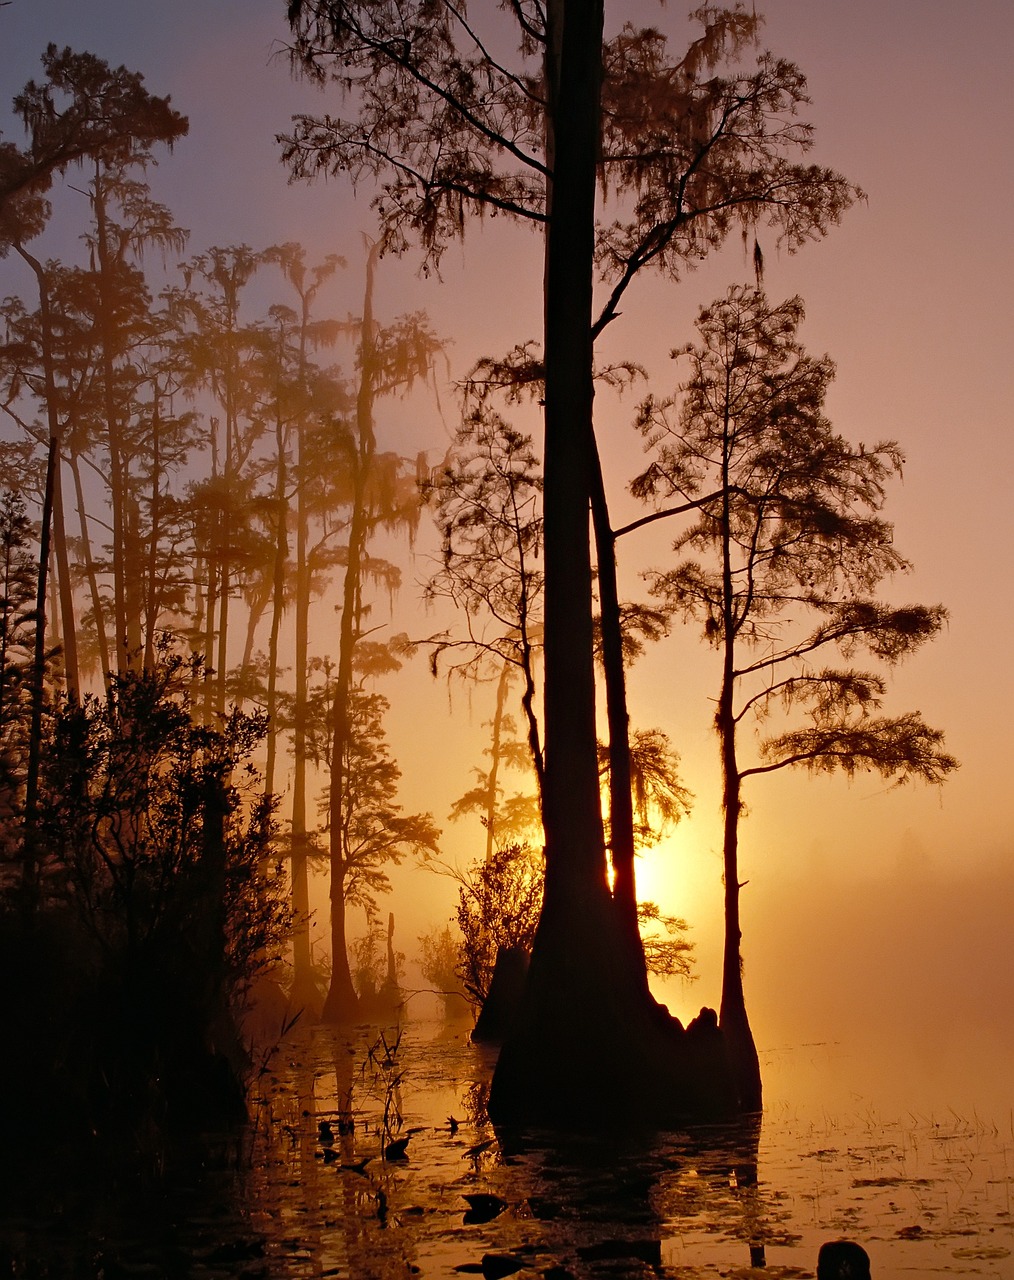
x=682, y=876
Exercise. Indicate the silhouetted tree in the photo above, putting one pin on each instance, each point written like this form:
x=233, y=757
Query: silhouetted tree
x=81, y=109
x=390, y=359
x=785, y=522
x=449, y=130
x=486, y=497
x=321, y=491
x=220, y=343
x=438, y=962
x=507, y=819
x=486, y=501
x=367, y=831
x=49, y=362
x=499, y=902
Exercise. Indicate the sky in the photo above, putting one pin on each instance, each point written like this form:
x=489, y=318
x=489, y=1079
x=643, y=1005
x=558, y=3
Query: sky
x=868, y=906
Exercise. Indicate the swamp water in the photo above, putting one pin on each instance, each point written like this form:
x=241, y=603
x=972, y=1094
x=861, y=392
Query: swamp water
x=327, y=1185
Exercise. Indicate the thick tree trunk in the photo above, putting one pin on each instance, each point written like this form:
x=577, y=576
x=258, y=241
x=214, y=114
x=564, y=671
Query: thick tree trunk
x=591, y=1043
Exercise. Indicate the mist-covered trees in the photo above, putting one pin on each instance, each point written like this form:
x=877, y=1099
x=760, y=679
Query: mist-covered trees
x=486, y=502
x=782, y=545
x=209, y=473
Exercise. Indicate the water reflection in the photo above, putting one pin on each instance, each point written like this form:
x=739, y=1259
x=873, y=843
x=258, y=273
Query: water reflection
x=317, y=1191
x=469, y=1200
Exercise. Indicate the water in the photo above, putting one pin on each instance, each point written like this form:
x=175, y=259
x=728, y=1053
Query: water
x=926, y=1192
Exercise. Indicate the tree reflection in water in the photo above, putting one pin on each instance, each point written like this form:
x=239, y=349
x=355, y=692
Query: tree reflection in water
x=311, y=1194
x=470, y=1200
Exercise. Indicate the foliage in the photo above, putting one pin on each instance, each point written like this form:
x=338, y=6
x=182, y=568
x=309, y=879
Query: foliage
x=783, y=525
x=515, y=816
x=82, y=109
x=785, y=520
x=499, y=902
x=158, y=835
x=438, y=960
x=667, y=953
x=370, y=956
x=374, y=831
x=690, y=145
x=160, y=902
x=486, y=500
x=659, y=798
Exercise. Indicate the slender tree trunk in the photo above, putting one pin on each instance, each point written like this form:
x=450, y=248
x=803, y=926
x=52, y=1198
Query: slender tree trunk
x=256, y=604
x=224, y=581
x=98, y=609
x=335, y=1005
x=65, y=584
x=302, y=966
x=621, y=810
x=732, y=1014
x=117, y=471
x=30, y=864
x=134, y=578
x=212, y=559
x=210, y=615
x=70, y=661
x=277, y=600
x=494, y=760
x=151, y=593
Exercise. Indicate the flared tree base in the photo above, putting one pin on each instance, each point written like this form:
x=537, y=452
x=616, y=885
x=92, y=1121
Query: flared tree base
x=644, y=1069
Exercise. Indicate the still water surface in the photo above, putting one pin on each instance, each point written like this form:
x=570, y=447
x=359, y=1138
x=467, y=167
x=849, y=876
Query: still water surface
x=323, y=1188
